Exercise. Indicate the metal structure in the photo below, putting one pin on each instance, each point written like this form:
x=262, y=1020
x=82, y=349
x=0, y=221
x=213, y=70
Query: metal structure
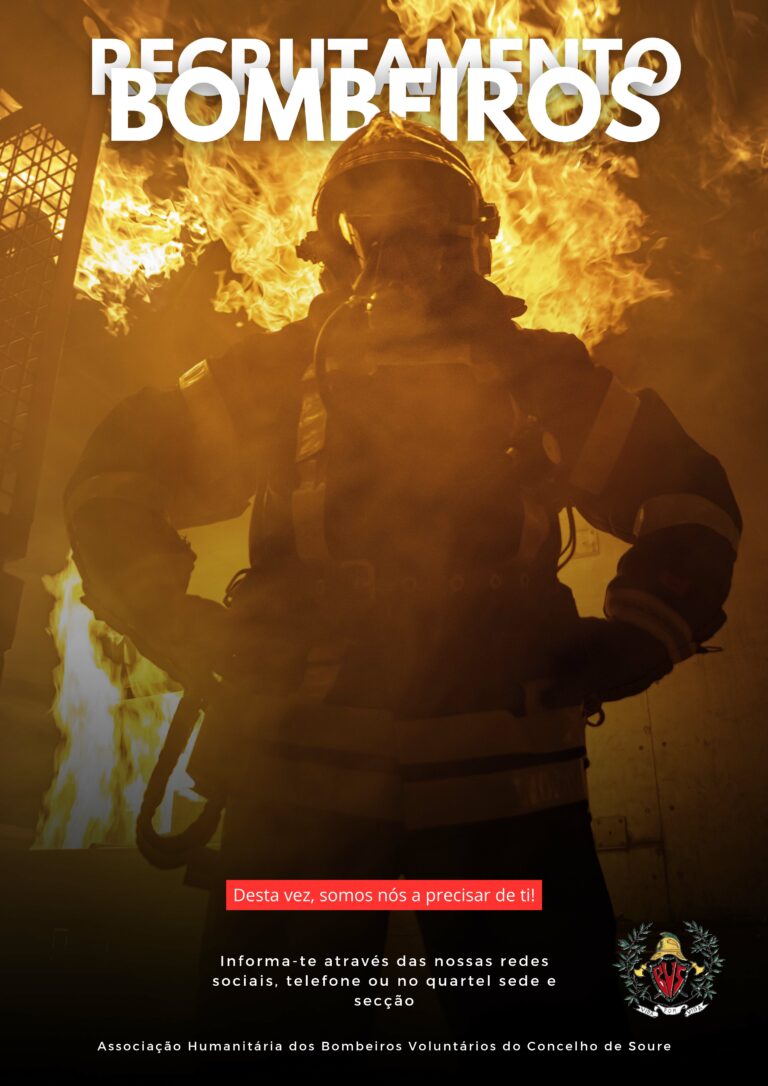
x=50, y=130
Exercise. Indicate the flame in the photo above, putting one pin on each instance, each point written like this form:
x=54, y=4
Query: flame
x=132, y=240
x=570, y=233
x=113, y=709
x=734, y=137
x=571, y=244
x=571, y=237
x=569, y=241
x=259, y=205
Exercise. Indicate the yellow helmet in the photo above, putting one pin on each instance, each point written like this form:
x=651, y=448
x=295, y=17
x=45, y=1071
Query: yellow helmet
x=668, y=944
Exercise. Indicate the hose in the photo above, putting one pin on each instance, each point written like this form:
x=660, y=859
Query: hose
x=167, y=851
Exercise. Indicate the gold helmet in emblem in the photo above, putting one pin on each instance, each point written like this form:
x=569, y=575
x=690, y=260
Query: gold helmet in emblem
x=668, y=944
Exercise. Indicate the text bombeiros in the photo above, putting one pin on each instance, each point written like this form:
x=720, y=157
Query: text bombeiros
x=334, y=94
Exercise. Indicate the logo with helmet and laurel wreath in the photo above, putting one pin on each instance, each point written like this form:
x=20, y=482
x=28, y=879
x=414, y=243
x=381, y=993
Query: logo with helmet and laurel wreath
x=667, y=982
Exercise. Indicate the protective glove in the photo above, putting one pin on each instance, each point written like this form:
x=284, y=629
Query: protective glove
x=198, y=642
x=191, y=638
x=606, y=660
x=135, y=570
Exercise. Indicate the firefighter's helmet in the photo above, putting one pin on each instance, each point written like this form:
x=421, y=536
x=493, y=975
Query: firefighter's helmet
x=398, y=174
x=668, y=944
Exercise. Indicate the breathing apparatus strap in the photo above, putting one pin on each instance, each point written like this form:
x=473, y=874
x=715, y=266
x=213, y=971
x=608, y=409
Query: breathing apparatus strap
x=308, y=504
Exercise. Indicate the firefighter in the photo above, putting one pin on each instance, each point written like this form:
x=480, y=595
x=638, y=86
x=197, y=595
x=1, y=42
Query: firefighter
x=399, y=684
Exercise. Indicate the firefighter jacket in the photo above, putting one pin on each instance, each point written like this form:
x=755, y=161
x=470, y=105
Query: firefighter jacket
x=405, y=541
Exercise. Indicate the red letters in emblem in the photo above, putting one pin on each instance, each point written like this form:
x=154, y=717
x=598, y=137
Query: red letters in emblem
x=669, y=976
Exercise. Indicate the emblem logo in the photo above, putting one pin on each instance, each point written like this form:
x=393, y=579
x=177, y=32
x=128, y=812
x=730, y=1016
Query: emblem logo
x=667, y=981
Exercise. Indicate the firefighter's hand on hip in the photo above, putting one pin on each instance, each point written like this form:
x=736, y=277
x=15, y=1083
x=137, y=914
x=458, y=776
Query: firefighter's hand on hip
x=606, y=660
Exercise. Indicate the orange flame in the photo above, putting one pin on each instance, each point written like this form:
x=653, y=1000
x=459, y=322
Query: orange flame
x=735, y=136
x=133, y=240
x=570, y=234
x=112, y=709
x=259, y=204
